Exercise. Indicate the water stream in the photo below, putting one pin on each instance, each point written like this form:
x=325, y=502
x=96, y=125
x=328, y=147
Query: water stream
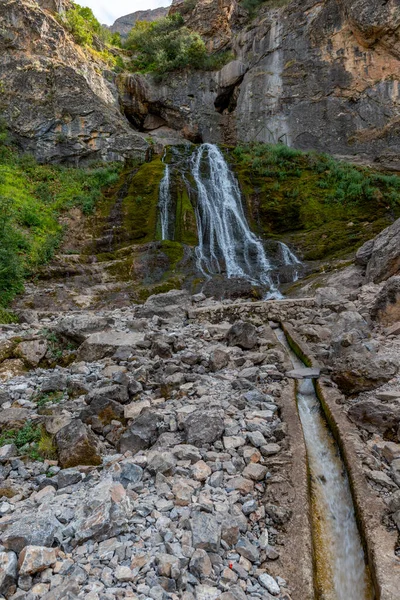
x=226, y=243
x=341, y=572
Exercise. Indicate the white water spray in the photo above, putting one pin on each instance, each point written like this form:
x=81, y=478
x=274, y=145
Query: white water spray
x=289, y=259
x=225, y=239
x=164, y=204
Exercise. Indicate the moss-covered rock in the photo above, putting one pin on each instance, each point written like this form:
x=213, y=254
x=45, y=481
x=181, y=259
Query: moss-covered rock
x=324, y=207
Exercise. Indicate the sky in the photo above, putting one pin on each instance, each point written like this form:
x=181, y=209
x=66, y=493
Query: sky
x=108, y=10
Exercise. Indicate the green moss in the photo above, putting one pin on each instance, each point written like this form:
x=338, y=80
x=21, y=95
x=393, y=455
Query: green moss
x=322, y=206
x=185, y=218
x=140, y=212
x=7, y=317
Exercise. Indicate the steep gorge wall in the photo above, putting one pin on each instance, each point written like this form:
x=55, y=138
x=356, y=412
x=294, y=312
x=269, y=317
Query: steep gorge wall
x=318, y=75
x=58, y=100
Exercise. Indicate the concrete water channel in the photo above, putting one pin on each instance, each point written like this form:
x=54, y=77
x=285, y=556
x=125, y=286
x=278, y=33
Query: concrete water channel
x=340, y=569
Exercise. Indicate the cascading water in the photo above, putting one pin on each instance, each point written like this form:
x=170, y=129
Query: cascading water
x=225, y=239
x=289, y=259
x=164, y=204
x=226, y=244
x=341, y=572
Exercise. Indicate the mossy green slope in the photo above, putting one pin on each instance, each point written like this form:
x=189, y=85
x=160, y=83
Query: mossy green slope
x=326, y=208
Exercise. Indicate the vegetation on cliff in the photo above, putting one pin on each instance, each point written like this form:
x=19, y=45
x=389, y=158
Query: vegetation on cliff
x=325, y=207
x=32, y=198
x=167, y=45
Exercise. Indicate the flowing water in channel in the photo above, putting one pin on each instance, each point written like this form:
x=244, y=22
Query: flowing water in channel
x=226, y=242
x=341, y=572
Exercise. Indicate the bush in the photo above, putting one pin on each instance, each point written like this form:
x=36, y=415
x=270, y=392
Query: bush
x=82, y=24
x=167, y=45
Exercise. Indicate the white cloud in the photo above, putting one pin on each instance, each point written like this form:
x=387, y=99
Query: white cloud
x=108, y=10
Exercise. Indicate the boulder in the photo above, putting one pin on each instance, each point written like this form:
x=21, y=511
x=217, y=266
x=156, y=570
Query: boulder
x=375, y=416
x=386, y=308
x=242, y=334
x=381, y=256
x=32, y=529
x=34, y=559
x=8, y=572
x=78, y=327
x=116, y=392
x=77, y=445
x=171, y=305
x=203, y=427
x=143, y=432
x=31, y=352
x=349, y=329
x=360, y=371
x=100, y=412
x=206, y=531
x=106, y=343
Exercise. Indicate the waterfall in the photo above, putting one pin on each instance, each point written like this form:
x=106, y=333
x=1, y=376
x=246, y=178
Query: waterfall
x=289, y=259
x=226, y=243
x=225, y=239
x=164, y=204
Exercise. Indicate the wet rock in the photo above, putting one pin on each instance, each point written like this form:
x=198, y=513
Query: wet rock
x=77, y=445
x=203, y=427
x=242, y=334
x=34, y=559
x=206, y=532
x=8, y=572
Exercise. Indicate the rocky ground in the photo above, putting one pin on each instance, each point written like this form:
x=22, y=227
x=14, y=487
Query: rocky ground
x=145, y=451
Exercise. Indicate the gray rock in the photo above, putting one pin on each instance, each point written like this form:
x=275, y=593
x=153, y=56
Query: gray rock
x=386, y=308
x=203, y=427
x=68, y=477
x=30, y=530
x=77, y=445
x=247, y=550
x=305, y=373
x=242, y=334
x=200, y=564
x=143, y=433
x=206, y=531
x=8, y=572
x=382, y=255
x=161, y=462
x=269, y=584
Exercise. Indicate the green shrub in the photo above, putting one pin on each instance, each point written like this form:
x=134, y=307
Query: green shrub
x=82, y=24
x=167, y=45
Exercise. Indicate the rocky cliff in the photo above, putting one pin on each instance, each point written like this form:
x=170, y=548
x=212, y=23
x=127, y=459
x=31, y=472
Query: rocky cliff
x=124, y=24
x=321, y=75
x=58, y=99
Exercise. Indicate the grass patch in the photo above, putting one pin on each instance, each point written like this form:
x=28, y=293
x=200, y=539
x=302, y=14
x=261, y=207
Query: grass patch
x=31, y=440
x=32, y=198
x=7, y=317
x=325, y=207
x=49, y=398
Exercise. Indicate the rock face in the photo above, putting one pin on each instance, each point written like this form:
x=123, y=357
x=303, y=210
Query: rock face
x=55, y=97
x=381, y=256
x=386, y=308
x=314, y=75
x=124, y=24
